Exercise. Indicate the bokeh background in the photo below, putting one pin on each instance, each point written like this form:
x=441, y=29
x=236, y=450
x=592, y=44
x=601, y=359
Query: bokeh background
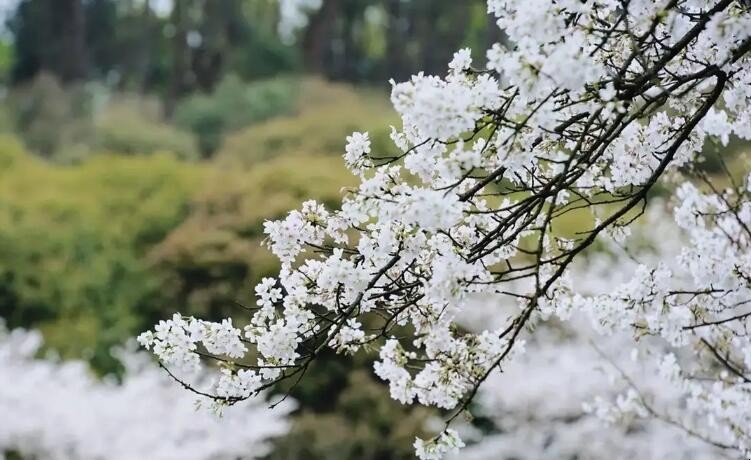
x=143, y=143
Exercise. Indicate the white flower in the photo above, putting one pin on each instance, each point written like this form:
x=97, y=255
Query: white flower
x=462, y=60
x=357, y=151
x=435, y=449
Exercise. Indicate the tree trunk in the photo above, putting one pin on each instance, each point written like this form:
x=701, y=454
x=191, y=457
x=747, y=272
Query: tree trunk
x=317, y=39
x=349, y=57
x=396, y=40
x=73, y=62
x=146, y=56
x=179, y=81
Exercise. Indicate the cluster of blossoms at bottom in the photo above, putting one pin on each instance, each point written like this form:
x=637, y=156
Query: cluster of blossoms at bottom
x=60, y=410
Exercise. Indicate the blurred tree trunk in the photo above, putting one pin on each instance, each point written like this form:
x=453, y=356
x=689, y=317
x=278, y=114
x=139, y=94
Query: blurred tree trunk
x=147, y=56
x=222, y=27
x=454, y=32
x=427, y=38
x=207, y=59
x=396, y=41
x=317, y=37
x=72, y=65
x=349, y=57
x=179, y=78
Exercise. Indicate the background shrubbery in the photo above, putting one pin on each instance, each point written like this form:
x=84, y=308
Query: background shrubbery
x=214, y=257
x=104, y=232
x=233, y=105
x=131, y=124
x=129, y=232
x=68, y=124
x=325, y=114
x=73, y=241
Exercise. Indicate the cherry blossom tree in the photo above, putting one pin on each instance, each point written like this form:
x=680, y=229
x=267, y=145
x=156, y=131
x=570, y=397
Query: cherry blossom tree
x=592, y=105
x=59, y=410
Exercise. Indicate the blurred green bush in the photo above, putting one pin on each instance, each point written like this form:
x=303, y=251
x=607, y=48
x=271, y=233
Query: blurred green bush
x=49, y=117
x=73, y=239
x=326, y=113
x=130, y=124
x=68, y=124
x=233, y=104
x=244, y=122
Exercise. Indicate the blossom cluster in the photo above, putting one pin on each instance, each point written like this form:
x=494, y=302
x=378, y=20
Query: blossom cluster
x=565, y=397
x=585, y=109
x=694, y=297
x=60, y=410
x=658, y=397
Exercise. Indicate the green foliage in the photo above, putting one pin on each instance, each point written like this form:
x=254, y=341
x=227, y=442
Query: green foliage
x=94, y=251
x=6, y=60
x=7, y=122
x=48, y=116
x=233, y=104
x=214, y=257
x=717, y=159
x=72, y=241
x=327, y=114
x=262, y=54
x=133, y=125
x=67, y=124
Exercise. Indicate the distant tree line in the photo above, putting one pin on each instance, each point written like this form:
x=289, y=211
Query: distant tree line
x=191, y=46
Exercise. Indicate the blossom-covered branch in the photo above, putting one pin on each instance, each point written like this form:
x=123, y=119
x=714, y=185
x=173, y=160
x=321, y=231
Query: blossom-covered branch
x=590, y=107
